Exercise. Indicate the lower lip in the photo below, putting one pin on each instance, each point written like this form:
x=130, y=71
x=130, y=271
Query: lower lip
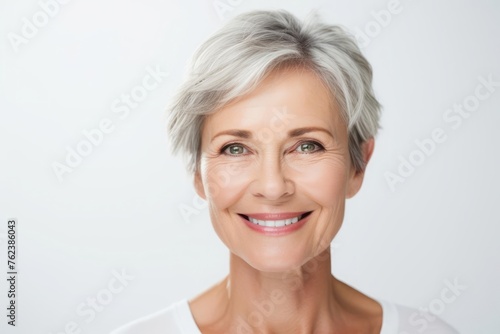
x=276, y=231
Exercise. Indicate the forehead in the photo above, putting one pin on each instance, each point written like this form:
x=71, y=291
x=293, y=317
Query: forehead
x=286, y=98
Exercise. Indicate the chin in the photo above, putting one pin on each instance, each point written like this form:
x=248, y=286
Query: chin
x=276, y=262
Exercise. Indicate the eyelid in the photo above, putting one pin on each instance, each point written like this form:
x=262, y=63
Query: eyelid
x=320, y=147
x=226, y=146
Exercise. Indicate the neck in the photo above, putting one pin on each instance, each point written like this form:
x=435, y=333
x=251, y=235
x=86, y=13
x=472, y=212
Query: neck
x=302, y=299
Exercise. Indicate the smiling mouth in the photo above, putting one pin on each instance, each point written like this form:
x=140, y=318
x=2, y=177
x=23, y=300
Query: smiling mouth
x=276, y=223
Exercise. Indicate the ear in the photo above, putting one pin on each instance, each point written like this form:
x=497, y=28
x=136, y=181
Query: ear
x=198, y=185
x=356, y=177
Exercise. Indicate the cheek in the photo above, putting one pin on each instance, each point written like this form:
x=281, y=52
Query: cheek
x=225, y=182
x=323, y=178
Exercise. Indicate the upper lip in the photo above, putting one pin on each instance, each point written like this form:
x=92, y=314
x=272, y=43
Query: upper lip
x=274, y=215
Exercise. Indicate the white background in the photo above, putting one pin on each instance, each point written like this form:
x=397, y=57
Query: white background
x=119, y=209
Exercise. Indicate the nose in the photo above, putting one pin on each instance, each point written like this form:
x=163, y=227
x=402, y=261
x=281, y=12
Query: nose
x=270, y=181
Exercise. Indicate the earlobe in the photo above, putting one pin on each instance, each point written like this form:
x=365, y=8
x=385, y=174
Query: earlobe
x=356, y=177
x=198, y=185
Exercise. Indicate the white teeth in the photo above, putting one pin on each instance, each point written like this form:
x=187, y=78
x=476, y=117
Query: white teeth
x=274, y=223
x=279, y=223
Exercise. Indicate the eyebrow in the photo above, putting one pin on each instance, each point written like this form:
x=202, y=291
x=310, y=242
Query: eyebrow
x=292, y=133
x=235, y=133
x=301, y=131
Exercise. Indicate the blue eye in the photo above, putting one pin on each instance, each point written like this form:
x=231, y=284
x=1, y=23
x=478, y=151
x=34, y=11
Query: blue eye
x=309, y=147
x=234, y=149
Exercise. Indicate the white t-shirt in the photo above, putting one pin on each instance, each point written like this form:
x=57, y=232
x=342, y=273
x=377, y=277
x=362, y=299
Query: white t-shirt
x=178, y=319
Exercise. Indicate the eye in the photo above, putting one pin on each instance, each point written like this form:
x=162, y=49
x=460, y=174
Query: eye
x=309, y=147
x=234, y=149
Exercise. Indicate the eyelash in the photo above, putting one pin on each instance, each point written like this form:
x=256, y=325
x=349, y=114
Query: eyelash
x=225, y=147
x=318, y=146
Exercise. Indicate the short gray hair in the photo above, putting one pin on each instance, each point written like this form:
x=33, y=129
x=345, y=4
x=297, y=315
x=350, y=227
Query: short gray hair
x=233, y=61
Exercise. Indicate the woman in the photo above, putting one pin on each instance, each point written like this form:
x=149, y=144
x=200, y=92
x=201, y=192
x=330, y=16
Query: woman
x=278, y=119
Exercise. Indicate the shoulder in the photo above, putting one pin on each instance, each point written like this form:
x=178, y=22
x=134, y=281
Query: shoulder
x=406, y=320
x=175, y=319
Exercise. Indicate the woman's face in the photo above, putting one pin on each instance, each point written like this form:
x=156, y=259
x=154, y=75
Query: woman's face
x=275, y=171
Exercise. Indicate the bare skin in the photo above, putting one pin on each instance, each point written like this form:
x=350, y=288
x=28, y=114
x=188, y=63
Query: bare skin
x=311, y=301
x=251, y=162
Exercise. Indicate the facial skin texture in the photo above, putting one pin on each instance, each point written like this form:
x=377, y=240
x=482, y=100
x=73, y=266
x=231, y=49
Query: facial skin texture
x=281, y=148
x=275, y=173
